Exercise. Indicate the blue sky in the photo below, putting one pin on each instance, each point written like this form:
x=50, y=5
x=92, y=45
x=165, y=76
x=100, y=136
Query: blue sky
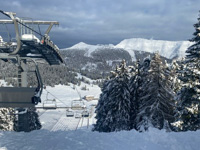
x=111, y=21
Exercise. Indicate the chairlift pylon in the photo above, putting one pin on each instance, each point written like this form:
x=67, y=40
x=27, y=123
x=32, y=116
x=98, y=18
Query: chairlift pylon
x=28, y=47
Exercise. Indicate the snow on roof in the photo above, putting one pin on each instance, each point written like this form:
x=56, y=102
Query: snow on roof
x=29, y=37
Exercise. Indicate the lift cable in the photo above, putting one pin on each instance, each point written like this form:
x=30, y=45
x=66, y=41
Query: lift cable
x=79, y=94
x=55, y=97
x=31, y=29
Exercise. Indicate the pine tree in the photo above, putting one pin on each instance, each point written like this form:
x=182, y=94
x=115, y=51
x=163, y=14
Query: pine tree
x=27, y=120
x=133, y=86
x=33, y=119
x=176, y=73
x=114, y=107
x=189, y=95
x=6, y=119
x=156, y=100
x=138, y=74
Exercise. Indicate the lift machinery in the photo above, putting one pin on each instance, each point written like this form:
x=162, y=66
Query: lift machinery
x=29, y=46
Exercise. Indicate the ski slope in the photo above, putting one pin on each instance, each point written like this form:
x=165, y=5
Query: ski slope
x=69, y=133
x=55, y=120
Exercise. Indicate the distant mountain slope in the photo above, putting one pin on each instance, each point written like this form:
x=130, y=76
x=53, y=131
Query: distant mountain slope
x=100, y=59
x=168, y=49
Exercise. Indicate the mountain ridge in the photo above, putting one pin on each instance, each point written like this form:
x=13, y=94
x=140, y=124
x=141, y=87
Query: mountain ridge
x=168, y=49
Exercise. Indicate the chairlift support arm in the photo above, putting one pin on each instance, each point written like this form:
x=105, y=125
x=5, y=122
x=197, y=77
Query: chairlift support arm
x=45, y=47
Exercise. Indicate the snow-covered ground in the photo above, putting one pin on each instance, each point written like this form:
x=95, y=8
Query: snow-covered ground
x=65, y=94
x=69, y=133
x=87, y=140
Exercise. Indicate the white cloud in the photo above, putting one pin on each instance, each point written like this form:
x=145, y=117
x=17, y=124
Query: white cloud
x=113, y=20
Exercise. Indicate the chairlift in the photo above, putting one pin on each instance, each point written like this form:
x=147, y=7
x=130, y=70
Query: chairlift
x=22, y=96
x=85, y=113
x=69, y=113
x=77, y=105
x=49, y=103
x=27, y=47
x=78, y=115
x=29, y=41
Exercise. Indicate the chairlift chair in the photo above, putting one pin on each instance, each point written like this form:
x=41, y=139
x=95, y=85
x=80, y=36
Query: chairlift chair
x=77, y=105
x=78, y=115
x=69, y=113
x=85, y=113
x=49, y=103
x=22, y=96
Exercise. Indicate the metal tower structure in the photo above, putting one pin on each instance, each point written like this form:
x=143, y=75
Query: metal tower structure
x=29, y=46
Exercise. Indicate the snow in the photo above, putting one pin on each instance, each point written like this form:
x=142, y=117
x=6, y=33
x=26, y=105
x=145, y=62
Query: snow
x=89, y=48
x=65, y=94
x=90, y=66
x=69, y=133
x=30, y=37
x=1, y=39
x=87, y=140
x=168, y=49
x=4, y=84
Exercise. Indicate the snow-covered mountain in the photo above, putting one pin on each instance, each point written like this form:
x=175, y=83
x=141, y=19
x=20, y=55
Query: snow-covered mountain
x=94, y=58
x=168, y=49
x=101, y=59
x=89, y=48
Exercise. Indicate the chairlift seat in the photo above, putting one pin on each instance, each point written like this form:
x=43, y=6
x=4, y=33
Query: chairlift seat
x=85, y=114
x=77, y=105
x=69, y=113
x=50, y=104
x=77, y=115
x=17, y=96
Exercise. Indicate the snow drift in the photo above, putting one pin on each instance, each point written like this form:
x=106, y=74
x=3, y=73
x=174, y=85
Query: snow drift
x=87, y=140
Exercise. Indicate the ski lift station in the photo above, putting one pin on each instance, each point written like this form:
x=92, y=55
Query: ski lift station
x=28, y=47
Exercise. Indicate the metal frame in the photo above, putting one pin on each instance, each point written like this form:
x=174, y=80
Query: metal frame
x=27, y=50
x=21, y=96
x=45, y=49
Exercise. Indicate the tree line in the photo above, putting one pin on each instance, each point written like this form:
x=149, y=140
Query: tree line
x=153, y=93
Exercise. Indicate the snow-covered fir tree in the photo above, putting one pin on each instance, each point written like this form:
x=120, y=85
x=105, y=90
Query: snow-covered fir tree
x=133, y=86
x=189, y=95
x=176, y=72
x=6, y=119
x=156, y=100
x=33, y=118
x=114, y=107
x=138, y=74
x=27, y=121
